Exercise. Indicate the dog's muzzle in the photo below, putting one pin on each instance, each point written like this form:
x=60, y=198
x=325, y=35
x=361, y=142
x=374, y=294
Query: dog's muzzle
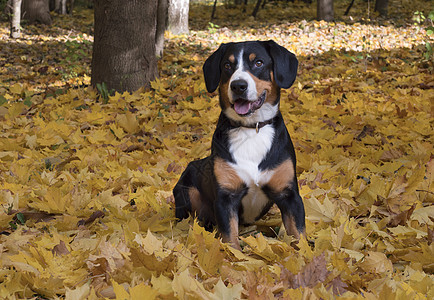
x=245, y=107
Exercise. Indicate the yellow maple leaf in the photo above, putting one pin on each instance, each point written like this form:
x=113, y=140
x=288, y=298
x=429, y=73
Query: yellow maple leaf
x=79, y=293
x=150, y=244
x=142, y=291
x=376, y=262
x=317, y=211
x=223, y=292
x=162, y=284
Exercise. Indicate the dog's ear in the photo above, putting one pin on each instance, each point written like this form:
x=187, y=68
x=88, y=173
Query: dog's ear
x=211, y=68
x=285, y=64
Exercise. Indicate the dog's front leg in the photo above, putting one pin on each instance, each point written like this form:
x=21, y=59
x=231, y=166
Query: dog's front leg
x=291, y=207
x=226, y=211
x=292, y=210
x=231, y=189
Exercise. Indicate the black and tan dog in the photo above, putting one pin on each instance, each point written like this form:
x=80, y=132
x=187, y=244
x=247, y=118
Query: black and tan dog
x=252, y=161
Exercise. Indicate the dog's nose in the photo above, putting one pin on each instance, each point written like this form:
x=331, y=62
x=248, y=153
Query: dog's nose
x=239, y=86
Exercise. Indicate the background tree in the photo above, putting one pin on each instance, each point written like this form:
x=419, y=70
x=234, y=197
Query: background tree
x=381, y=6
x=177, y=22
x=36, y=11
x=161, y=26
x=124, y=44
x=16, y=19
x=325, y=10
x=62, y=6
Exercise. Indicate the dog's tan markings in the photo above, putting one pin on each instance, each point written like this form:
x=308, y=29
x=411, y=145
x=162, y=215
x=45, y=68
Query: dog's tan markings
x=231, y=58
x=283, y=176
x=290, y=227
x=269, y=86
x=252, y=56
x=195, y=200
x=224, y=98
x=232, y=238
x=226, y=176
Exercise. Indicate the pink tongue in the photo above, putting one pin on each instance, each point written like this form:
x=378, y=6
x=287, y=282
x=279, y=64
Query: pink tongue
x=242, y=107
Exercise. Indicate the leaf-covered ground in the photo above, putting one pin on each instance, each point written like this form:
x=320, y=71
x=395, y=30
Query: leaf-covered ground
x=85, y=184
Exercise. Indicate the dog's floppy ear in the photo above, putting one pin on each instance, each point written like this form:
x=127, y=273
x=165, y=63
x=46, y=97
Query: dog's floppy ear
x=285, y=65
x=211, y=68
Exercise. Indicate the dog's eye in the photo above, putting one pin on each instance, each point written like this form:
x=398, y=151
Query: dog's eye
x=227, y=66
x=259, y=63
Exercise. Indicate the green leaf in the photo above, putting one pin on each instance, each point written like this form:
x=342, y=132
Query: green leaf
x=20, y=218
x=3, y=100
x=28, y=102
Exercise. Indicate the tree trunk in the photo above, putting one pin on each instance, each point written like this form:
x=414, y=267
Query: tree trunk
x=16, y=19
x=381, y=7
x=124, y=44
x=55, y=5
x=63, y=7
x=256, y=9
x=178, y=16
x=213, y=10
x=348, y=8
x=36, y=11
x=325, y=10
x=161, y=26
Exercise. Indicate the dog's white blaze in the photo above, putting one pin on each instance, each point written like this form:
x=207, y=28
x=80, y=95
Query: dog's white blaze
x=248, y=149
x=240, y=73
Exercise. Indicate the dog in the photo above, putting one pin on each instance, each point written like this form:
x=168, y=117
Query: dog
x=252, y=162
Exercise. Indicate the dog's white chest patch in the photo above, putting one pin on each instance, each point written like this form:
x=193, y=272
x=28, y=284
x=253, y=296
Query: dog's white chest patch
x=249, y=148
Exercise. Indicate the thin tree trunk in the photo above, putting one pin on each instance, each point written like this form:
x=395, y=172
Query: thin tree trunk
x=16, y=19
x=325, y=10
x=63, y=7
x=213, y=10
x=124, y=44
x=256, y=9
x=348, y=8
x=177, y=22
x=381, y=6
x=161, y=26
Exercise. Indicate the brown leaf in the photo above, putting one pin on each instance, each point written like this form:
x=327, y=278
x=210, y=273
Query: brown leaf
x=402, y=218
x=311, y=274
x=367, y=130
x=60, y=249
x=132, y=148
x=95, y=215
x=338, y=286
x=430, y=236
x=38, y=216
x=391, y=154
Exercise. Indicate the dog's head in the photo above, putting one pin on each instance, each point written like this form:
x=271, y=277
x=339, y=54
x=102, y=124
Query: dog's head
x=250, y=76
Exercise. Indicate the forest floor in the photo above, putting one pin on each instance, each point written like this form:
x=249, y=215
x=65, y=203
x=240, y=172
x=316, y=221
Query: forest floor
x=85, y=182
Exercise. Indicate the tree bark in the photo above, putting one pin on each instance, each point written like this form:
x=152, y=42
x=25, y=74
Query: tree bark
x=161, y=26
x=325, y=10
x=348, y=8
x=16, y=19
x=36, y=11
x=213, y=10
x=381, y=6
x=178, y=16
x=63, y=7
x=124, y=44
x=256, y=9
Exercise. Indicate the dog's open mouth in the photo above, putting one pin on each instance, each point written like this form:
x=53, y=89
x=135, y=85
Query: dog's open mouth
x=245, y=107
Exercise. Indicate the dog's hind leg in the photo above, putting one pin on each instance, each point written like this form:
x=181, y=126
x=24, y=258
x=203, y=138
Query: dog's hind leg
x=187, y=192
